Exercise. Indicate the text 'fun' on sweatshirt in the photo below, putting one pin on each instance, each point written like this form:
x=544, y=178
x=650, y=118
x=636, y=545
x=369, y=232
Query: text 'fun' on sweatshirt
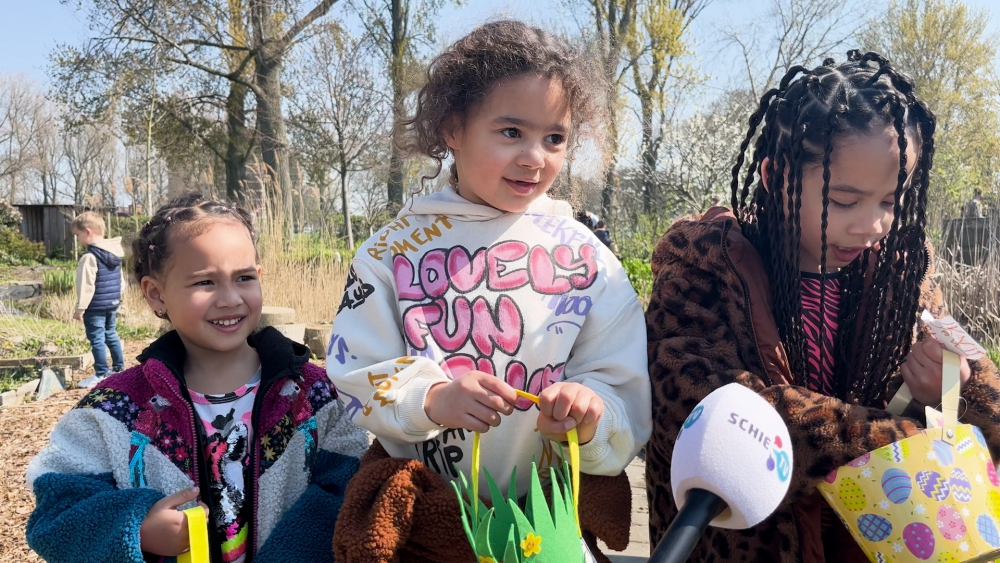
x=533, y=298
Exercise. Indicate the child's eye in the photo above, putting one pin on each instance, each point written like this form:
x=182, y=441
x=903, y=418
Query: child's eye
x=511, y=133
x=203, y=282
x=890, y=205
x=839, y=205
x=556, y=139
x=245, y=278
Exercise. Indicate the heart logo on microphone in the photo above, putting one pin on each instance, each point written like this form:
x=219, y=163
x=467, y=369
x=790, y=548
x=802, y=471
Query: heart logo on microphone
x=778, y=461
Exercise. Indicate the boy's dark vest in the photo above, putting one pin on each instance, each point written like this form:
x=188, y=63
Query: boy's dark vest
x=108, y=285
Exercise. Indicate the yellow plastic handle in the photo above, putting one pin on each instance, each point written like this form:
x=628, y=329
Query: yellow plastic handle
x=198, y=535
x=574, y=464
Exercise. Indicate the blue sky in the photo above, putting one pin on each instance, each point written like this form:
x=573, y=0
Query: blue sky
x=31, y=28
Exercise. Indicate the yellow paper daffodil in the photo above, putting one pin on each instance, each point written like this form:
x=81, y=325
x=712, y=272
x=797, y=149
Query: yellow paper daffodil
x=531, y=545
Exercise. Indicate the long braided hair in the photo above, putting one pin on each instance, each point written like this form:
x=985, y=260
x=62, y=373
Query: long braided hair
x=798, y=123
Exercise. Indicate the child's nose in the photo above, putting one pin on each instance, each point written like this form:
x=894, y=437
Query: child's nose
x=531, y=157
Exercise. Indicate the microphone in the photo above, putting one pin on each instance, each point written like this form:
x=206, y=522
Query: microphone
x=731, y=468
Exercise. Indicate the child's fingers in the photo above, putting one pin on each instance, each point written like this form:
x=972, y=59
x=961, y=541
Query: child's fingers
x=919, y=355
x=473, y=424
x=205, y=507
x=500, y=394
x=564, y=403
x=594, y=411
x=933, y=351
x=180, y=497
x=484, y=413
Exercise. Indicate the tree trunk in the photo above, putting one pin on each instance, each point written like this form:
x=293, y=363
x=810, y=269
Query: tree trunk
x=347, y=210
x=398, y=43
x=237, y=143
x=273, y=137
x=611, y=182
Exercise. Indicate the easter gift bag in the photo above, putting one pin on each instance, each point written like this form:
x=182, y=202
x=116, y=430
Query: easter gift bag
x=934, y=496
x=535, y=532
x=197, y=537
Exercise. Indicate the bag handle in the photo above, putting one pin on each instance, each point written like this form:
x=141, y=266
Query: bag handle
x=198, y=537
x=950, y=395
x=574, y=464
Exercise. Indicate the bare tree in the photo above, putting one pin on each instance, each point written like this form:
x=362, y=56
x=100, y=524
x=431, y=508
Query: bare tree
x=655, y=46
x=84, y=150
x=340, y=113
x=792, y=32
x=21, y=105
x=399, y=28
x=48, y=154
x=207, y=36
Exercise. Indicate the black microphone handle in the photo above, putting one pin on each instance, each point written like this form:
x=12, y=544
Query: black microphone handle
x=684, y=532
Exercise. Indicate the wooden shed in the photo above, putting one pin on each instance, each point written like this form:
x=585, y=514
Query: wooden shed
x=50, y=224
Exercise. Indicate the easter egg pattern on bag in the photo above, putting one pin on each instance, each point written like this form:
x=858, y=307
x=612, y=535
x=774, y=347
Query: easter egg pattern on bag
x=950, y=524
x=932, y=484
x=991, y=474
x=987, y=529
x=961, y=487
x=993, y=504
x=943, y=452
x=979, y=436
x=874, y=527
x=919, y=539
x=947, y=558
x=851, y=495
x=861, y=461
x=895, y=452
x=896, y=485
x=831, y=477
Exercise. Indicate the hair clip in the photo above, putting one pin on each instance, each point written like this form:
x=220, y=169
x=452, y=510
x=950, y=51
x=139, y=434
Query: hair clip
x=170, y=217
x=152, y=246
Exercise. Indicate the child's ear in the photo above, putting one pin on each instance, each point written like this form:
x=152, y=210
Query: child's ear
x=153, y=292
x=451, y=129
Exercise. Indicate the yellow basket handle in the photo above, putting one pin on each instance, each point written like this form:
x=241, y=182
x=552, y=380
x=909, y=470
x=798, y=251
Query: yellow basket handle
x=574, y=465
x=198, y=535
x=950, y=394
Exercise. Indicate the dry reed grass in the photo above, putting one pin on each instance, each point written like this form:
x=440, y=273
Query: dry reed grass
x=311, y=287
x=972, y=294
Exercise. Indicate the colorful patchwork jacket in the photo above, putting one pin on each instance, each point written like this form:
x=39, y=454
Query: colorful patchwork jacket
x=134, y=439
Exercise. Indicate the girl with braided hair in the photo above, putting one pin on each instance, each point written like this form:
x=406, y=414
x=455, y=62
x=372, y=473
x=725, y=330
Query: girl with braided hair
x=808, y=291
x=217, y=413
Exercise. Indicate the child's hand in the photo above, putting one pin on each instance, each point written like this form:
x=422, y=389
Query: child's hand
x=473, y=401
x=569, y=405
x=77, y=316
x=922, y=371
x=165, y=529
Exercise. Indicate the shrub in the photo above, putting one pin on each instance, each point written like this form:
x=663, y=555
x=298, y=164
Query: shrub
x=641, y=276
x=16, y=249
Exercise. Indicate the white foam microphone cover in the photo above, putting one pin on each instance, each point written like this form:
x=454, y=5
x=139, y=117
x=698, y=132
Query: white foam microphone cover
x=735, y=445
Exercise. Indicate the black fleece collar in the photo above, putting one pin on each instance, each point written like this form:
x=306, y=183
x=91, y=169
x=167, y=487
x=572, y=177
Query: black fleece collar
x=279, y=356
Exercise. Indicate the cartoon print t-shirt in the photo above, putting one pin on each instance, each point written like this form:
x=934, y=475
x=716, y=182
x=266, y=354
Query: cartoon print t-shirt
x=226, y=420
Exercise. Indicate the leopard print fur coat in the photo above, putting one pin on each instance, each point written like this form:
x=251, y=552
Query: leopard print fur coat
x=709, y=323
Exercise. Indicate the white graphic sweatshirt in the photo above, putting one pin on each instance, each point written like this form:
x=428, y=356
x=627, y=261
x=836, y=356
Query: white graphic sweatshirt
x=533, y=298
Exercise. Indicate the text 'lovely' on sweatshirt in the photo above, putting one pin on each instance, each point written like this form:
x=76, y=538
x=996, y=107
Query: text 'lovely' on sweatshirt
x=533, y=298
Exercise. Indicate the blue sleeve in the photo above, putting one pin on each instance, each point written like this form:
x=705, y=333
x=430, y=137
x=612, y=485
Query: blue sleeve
x=305, y=532
x=80, y=518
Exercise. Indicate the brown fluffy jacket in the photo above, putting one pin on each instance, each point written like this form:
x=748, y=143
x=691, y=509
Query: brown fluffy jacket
x=397, y=509
x=710, y=323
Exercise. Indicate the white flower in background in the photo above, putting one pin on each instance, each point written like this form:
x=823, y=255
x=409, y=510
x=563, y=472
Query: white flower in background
x=884, y=505
x=897, y=548
x=964, y=546
x=867, y=472
x=979, y=478
x=919, y=509
x=931, y=456
x=982, y=456
x=965, y=512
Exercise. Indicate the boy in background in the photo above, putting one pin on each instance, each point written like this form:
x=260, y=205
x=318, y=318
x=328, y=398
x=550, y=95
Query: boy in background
x=99, y=290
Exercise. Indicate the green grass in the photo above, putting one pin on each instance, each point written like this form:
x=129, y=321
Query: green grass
x=21, y=337
x=11, y=379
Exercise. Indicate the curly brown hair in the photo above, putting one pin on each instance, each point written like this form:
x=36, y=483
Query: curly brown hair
x=464, y=74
